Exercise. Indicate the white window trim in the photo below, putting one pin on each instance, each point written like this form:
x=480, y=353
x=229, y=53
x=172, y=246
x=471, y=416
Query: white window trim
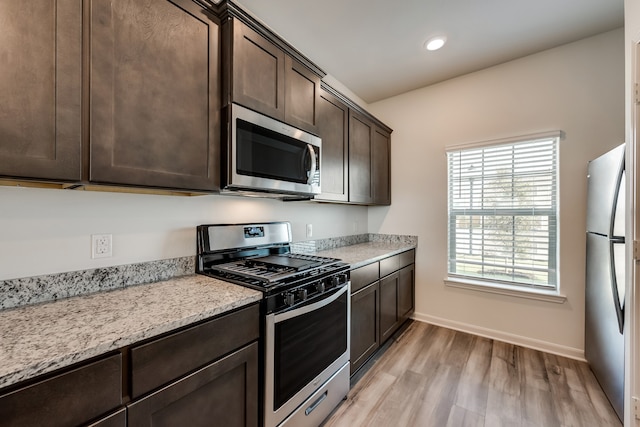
x=486, y=285
x=478, y=144
x=504, y=289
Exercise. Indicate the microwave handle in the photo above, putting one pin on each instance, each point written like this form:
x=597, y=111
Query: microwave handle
x=314, y=163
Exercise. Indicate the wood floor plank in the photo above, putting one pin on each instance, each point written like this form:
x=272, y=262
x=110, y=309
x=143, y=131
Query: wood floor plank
x=436, y=377
x=461, y=417
x=408, y=350
x=571, y=402
x=474, y=381
x=538, y=408
x=505, y=372
x=400, y=404
x=439, y=394
x=359, y=407
x=503, y=409
x=597, y=397
x=436, y=348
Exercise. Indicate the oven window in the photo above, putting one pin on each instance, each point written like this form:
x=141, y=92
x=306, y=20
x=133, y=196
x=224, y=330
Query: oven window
x=306, y=345
x=267, y=154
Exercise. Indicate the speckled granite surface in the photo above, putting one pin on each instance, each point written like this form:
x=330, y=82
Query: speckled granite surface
x=51, y=287
x=358, y=250
x=366, y=253
x=40, y=338
x=37, y=339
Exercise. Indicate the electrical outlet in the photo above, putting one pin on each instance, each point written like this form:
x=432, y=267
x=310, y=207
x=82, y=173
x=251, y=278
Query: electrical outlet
x=309, y=230
x=101, y=246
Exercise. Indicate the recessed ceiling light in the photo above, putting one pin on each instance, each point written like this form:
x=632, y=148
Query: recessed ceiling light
x=435, y=43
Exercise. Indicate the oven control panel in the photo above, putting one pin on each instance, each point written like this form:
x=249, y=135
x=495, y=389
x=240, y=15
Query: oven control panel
x=310, y=291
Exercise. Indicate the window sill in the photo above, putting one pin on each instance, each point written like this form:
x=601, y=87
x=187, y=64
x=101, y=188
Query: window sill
x=495, y=288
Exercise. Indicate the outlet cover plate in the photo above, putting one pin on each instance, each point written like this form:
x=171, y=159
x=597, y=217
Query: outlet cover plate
x=101, y=246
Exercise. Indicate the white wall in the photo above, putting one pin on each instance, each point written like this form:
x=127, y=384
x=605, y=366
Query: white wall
x=45, y=231
x=577, y=88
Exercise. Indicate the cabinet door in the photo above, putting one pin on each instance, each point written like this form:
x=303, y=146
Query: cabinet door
x=162, y=360
x=302, y=93
x=154, y=94
x=364, y=325
x=381, y=167
x=333, y=128
x=118, y=419
x=360, y=158
x=224, y=393
x=72, y=397
x=40, y=89
x=258, y=72
x=406, y=292
x=389, y=320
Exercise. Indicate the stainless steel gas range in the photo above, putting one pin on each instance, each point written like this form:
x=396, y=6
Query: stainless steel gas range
x=306, y=316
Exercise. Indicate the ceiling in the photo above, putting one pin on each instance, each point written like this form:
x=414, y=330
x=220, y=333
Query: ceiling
x=375, y=47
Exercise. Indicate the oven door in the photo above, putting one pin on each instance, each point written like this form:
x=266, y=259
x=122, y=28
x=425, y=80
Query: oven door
x=305, y=347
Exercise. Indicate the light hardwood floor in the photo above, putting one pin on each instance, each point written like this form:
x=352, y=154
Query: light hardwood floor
x=432, y=376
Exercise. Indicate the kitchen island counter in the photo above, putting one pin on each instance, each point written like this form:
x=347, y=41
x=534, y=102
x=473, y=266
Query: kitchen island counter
x=42, y=338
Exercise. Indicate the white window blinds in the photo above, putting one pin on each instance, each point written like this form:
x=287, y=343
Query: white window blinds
x=503, y=212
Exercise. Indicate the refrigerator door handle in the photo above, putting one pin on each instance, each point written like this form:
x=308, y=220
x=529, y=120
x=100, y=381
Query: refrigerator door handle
x=617, y=260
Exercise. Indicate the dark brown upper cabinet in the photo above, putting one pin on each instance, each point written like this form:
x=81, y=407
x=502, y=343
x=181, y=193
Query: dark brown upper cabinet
x=41, y=89
x=154, y=98
x=256, y=73
x=369, y=161
x=381, y=166
x=360, y=158
x=333, y=128
x=260, y=75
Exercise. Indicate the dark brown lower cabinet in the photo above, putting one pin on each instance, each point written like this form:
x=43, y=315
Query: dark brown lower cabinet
x=406, y=292
x=224, y=393
x=389, y=319
x=73, y=397
x=382, y=299
x=117, y=419
x=364, y=324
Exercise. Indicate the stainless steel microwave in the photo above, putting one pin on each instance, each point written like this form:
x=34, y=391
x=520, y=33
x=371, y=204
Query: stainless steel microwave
x=268, y=157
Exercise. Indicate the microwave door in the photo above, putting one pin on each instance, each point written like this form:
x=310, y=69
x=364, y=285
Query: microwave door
x=271, y=156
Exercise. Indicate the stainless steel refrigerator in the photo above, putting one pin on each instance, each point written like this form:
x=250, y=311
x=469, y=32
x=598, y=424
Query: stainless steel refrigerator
x=605, y=274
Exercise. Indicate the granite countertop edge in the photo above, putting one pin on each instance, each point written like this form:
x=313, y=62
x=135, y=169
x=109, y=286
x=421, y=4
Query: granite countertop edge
x=146, y=312
x=40, y=339
x=363, y=254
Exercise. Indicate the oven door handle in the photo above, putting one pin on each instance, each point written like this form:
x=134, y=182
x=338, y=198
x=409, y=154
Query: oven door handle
x=277, y=318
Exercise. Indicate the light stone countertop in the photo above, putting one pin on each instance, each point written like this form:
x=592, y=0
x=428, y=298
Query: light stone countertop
x=41, y=338
x=366, y=253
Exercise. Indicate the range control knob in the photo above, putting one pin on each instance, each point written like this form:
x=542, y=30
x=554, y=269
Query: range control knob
x=289, y=299
x=320, y=287
x=335, y=281
x=302, y=294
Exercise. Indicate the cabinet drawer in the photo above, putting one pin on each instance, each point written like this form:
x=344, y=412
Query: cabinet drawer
x=118, y=419
x=396, y=262
x=223, y=393
x=389, y=265
x=163, y=360
x=361, y=277
x=70, y=398
x=407, y=258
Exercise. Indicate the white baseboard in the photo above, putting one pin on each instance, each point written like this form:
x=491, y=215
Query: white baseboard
x=560, y=350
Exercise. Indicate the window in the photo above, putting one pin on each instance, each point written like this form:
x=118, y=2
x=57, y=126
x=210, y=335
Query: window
x=503, y=227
